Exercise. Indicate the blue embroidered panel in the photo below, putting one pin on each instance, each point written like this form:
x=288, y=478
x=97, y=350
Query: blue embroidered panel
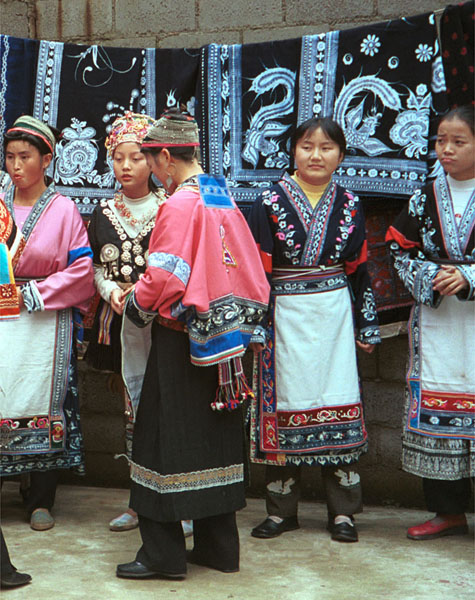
x=79, y=253
x=4, y=265
x=171, y=263
x=214, y=192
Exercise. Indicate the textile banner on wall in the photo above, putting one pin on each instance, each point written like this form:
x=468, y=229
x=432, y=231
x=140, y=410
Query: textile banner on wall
x=384, y=84
x=81, y=90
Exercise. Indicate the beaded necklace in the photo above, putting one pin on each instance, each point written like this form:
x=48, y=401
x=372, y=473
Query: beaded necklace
x=125, y=213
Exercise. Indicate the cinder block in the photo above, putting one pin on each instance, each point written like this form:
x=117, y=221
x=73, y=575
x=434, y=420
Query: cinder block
x=253, y=36
x=383, y=403
x=303, y=11
x=239, y=14
x=368, y=364
x=138, y=41
x=199, y=39
x=103, y=433
x=95, y=395
x=14, y=18
x=145, y=17
x=77, y=18
x=406, y=8
x=392, y=358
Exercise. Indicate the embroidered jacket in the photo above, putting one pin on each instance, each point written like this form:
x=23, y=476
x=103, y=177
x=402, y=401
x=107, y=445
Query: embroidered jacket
x=204, y=271
x=289, y=232
x=426, y=235
x=57, y=258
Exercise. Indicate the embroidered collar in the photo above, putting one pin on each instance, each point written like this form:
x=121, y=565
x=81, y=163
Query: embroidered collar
x=38, y=208
x=455, y=237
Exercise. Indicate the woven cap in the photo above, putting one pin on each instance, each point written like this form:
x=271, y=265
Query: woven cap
x=33, y=126
x=130, y=127
x=173, y=129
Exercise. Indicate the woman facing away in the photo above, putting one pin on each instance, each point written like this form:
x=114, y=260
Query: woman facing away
x=433, y=245
x=308, y=410
x=38, y=380
x=119, y=233
x=206, y=292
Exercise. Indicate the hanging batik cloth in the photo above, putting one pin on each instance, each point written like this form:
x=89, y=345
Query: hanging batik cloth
x=246, y=113
x=383, y=84
x=457, y=40
x=81, y=90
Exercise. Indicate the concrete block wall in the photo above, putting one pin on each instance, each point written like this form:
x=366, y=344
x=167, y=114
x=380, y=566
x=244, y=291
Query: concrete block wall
x=172, y=24
x=168, y=23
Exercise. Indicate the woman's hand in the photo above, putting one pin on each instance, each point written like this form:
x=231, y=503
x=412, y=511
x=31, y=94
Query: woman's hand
x=449, y=281
x=365, y=347
x=117, y=301
x=256, y=347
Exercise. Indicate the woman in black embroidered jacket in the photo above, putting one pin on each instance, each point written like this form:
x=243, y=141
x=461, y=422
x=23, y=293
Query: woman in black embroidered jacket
x=308, y=410
x=432, y=242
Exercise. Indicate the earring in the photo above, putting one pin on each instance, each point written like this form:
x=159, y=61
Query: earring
x=168, y=181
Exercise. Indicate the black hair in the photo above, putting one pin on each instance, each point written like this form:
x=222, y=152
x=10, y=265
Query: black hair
x=327, y=125
x=152, y=186
x=34, y=140
x=186, y=154
x=464, y=113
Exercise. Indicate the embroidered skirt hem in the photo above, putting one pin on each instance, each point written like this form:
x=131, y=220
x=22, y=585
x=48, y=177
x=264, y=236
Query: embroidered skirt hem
x=72, y=457
x=436, y=458
x=187, y=460
x=314, y=460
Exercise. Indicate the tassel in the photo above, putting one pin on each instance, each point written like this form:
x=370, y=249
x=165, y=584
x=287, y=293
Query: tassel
x=233, y=388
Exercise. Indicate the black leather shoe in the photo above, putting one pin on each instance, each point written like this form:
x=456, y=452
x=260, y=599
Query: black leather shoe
x=343, y=532
x=136, y=570
x=195, y=559
x=270, y=529
x=14, y=579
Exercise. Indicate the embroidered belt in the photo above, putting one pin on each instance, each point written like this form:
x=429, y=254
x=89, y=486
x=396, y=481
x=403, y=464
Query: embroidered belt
x=305, y=280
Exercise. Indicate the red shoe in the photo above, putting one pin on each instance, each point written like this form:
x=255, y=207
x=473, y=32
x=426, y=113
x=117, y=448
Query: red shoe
x=439, y=526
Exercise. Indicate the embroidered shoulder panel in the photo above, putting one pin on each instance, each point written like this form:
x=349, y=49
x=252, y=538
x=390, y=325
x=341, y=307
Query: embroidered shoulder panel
x=171, y=263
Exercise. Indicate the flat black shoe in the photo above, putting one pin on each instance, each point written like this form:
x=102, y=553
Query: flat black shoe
x=136, y=570
x=270, y=529
x=343, y=532
x=195, y=559
x=14, y=579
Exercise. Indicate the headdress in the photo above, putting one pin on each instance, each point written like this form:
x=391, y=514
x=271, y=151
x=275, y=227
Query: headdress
x=173, y=129
x=35, y=127
x=130, y=127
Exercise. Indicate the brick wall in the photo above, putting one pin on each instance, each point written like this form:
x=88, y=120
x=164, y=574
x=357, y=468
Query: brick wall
x=168, y=23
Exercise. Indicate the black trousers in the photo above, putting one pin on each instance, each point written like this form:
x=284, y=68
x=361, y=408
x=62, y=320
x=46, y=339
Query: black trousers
x=216, y=541
x=6, y=567
x=42, y=491
x=447, y=497
x=342, y=488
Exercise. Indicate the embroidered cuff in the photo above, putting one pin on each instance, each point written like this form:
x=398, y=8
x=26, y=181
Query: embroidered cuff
x=468, y=271
x=369, y=335
x=422, y=289
x=138, y=315
x=32, y=297
x=258, y=336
